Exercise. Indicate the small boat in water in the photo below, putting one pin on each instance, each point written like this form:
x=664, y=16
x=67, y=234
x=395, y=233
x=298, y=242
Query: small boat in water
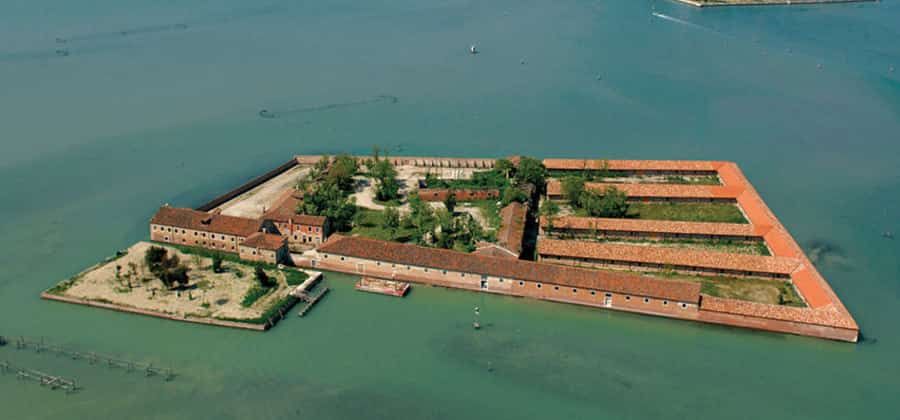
x=473, y=50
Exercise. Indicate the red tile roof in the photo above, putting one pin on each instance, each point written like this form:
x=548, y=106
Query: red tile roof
x=667, y=256
x=442, y=259
x=512, y=227
x=285, y=210
x=829, y=315
x=654, y=226
x=635, y=190
x=629, y=165
x=262, y=240
x=206, y=222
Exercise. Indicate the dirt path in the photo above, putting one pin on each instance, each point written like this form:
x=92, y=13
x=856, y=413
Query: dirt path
x=251, y=203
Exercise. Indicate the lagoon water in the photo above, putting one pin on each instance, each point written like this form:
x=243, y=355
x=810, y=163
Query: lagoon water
x=154, y=102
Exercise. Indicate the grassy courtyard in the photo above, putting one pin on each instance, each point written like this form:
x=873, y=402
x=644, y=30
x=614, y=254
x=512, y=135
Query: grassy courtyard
x=688, y=212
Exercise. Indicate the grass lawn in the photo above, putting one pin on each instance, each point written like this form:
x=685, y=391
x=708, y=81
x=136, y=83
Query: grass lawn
x=758, y=248
x=773, y=292
x=490, y=211
x=688, y=212
x=368, y=224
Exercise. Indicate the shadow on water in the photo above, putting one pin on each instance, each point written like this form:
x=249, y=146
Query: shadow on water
x=287, y=113
x=93, y=42
x=823, y=252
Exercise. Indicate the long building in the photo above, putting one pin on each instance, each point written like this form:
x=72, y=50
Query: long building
x=593, y=227
x=449, y=268
x=656, y=258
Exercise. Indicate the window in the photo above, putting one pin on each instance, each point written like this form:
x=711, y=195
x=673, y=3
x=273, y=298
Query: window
x=627, y=297
x=167, y=238
x=646, y=300
x=683, y=305
x=574, y=290
x=501, y=280
x=608, y=295
x=555, y=287
x=538, y=285
x=342, y=258
x=593, y=292
x=444, y=272
x=378, y=263
x=521, y=283
x=462, y=274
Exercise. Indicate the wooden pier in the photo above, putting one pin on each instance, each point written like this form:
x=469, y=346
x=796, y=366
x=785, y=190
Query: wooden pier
x=93, y=358
x=46, y=380
x=311, y=300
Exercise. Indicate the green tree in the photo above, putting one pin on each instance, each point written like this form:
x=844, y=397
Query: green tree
x=572, y=189
x=342, y=170
x=384, y=174
x=263, y=278
x=450, y=200
x=329, y=201
x=531, y=171
x=217, y=263
x=511, y=194
x=390, y=220
x=505, y=167
x=612, y=203
x=154, y=257
x=549, y=210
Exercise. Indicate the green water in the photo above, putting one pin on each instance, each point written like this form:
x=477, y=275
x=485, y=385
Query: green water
x=94, y=141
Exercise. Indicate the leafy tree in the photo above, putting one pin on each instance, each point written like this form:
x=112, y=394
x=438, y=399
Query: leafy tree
x=390, y=220
x=263, y=278
x=531, y=171
x=154, y=257
x=511, y=194
x=385, y=175
x=167, y=269
x=612, y=203
x=573, y=189
x=549, y=210
x=505, y=167
x=329, y=201
x=450, y=200
x=341, y=172
x=217, y=263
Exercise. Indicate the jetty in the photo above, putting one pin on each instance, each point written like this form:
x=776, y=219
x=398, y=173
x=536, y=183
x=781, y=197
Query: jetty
x=22, y=343
x=45, y=380
x=302, y=292
x=382, y=286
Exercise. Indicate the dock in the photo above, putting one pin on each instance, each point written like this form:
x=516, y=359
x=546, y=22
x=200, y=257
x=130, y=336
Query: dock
x=46, y=380
x=22, y=343
x=303, y=293
x=382, y=286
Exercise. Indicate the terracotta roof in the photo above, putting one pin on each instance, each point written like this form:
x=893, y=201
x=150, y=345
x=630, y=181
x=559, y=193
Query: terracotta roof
x=629, y=165
x=443, y=259
x=262, y=240
x=512, y=226
x=668, y=256
x=829, y=315
x=636, y=190
x=207, y=222
x=655, y=226
x=285, y=209
x=494, y=250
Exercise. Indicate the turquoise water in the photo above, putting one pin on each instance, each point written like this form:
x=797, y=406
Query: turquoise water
x=802, y=98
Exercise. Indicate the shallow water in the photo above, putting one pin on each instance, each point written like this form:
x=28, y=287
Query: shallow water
x=802, y=98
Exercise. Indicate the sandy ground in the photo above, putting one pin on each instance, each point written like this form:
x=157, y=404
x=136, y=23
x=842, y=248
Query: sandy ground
x=251, y=203
x=409, y=177
x=212, y=295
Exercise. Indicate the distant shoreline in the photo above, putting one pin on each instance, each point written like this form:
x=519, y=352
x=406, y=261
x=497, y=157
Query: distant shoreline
x=724, y=3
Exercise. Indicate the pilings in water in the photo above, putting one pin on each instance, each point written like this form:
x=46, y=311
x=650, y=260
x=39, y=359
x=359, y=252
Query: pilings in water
x=93, y=358
x=46, y=380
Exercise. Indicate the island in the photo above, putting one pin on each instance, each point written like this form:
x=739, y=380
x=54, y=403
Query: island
x=719, y=3
x=688, y=240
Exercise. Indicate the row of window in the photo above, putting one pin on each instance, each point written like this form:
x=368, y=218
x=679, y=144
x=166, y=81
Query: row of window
x=522, y=283
x=201, y=234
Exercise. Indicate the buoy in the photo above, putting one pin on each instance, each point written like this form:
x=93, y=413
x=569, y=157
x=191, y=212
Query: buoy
x=473, y=50
x=476, y=325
